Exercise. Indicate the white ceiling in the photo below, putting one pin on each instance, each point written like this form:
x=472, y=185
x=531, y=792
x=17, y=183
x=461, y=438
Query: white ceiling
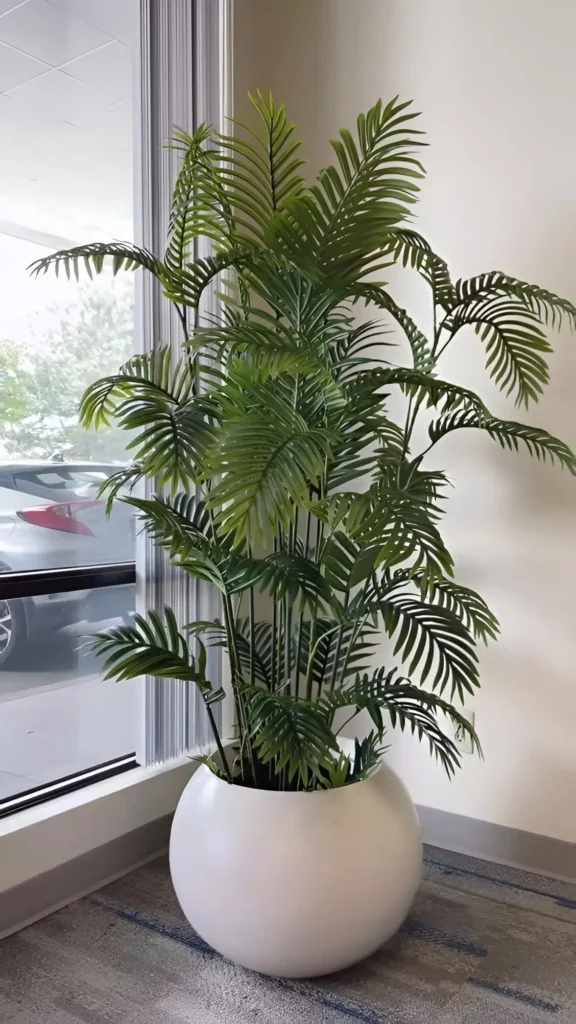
x=66, y=116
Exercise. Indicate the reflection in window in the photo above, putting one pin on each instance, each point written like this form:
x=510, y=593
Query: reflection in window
x=66, y=177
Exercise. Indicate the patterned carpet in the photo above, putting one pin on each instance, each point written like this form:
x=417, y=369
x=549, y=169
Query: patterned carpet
x=483, y=945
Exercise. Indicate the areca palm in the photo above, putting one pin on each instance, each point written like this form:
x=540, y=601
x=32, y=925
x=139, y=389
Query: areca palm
x=278, y=467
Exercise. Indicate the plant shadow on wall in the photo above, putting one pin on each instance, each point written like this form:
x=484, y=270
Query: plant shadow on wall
x=278, y=469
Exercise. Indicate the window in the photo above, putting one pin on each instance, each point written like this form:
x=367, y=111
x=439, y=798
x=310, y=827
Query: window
x=66, y=177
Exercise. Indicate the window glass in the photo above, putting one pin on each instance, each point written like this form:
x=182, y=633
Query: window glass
x=57, y=715
x=66, y=178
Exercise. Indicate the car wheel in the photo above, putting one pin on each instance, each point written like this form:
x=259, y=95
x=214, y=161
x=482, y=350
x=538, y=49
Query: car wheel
x=12, y=630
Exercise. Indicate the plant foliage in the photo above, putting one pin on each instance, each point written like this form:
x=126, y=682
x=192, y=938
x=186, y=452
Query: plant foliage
x=279, y=474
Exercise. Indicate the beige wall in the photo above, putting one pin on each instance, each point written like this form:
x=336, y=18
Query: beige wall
x=496, y=82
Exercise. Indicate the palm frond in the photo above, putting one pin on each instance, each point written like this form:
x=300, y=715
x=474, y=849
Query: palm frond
x=155, y=399
x=154, y=647
x=465, y=604
x=120, y=484
x=261, y=168
x=341, y=648
x=421, y=348
x=509, y=434
x=368, y=753
x=515, y=343
x=432, y=640
x=406, y=705
x=412, y=250
x=295, y=577
x=197, y=201
x=338, y=227
x=95, y=257
x=289, y=733
x=550, y=309
x=270, y=458
x=180, y=525
x=426, y=389
x=187, y=285
x=401, y=523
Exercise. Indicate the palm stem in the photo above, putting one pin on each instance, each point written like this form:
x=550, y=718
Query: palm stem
x=339, y=645
x=221, y=751
x=301, y=618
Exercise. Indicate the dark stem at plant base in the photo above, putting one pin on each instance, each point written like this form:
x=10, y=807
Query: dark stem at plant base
x=221, y=751
x=301, y=617
x=339, y=645
x=236, y=681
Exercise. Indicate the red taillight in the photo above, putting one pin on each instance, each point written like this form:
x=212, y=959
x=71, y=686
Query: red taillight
x=59, y=517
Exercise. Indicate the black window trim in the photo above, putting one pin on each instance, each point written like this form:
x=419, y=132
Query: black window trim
x=36, y=582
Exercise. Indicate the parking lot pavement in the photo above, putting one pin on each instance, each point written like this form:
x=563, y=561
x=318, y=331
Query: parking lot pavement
x=58, y=716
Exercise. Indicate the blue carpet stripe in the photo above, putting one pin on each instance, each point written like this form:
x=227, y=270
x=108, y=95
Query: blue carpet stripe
x=448, y=869
x=514, y=993
x=418, y=930
x=193, y=941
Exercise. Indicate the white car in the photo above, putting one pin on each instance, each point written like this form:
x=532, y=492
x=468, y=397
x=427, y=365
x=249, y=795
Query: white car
x=51, y=517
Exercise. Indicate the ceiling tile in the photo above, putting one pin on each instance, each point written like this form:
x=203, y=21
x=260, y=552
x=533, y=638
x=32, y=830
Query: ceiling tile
x=16, y=67
x=7, y=5
x=56, y=97
x=48, y=32
x=108, y=69
x=118, y=18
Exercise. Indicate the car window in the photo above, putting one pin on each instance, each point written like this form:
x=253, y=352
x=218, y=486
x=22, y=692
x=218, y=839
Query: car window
x=65, y=482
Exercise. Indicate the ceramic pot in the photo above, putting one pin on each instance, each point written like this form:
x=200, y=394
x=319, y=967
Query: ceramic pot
x=295, y=884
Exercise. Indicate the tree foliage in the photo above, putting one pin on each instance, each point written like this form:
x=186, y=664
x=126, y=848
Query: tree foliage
x=283, y=479
x=43, y=376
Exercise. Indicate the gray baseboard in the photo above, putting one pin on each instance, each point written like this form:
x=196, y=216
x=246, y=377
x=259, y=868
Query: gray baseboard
x=53, y=889
x=28, y=902
x=498, y=843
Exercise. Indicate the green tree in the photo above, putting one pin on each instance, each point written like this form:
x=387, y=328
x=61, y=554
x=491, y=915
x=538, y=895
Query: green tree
x=42, y=380
x=14, y=384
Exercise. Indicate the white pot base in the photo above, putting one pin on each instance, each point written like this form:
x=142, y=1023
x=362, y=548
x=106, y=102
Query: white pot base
x=296, y=884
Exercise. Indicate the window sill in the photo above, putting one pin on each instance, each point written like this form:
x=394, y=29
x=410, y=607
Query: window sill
x=44, y=837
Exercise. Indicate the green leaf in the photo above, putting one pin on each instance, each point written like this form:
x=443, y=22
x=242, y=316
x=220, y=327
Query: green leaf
x=153, y=647
x=180, y=525
x=93, y=259
x=425, y=389
x=412, y=250
x=289, y=733
x=120, y=484
x=405, y=705
x=421, y=349
x=515, y=343
x=368, y=754
x=549, y=308
x=197, y=201
x=154, y=399
x=270, y=457
x=213, y=765
x=432, y=640
x=342, y=647
x=188, y=284
x=261, y=168
x=397, y=515
x=338, y=227
x=509, y=434
x=465, y=604
x=294, y=577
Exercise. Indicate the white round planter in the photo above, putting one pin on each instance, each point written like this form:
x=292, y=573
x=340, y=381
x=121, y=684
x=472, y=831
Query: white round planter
x=296, y=884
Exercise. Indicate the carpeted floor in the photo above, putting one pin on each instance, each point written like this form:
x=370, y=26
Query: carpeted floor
x=483, y=945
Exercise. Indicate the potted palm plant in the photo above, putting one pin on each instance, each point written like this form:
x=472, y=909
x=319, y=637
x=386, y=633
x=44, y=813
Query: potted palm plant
x=281, y=479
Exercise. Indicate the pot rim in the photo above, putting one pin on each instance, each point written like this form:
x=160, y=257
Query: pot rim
x=347, y=745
